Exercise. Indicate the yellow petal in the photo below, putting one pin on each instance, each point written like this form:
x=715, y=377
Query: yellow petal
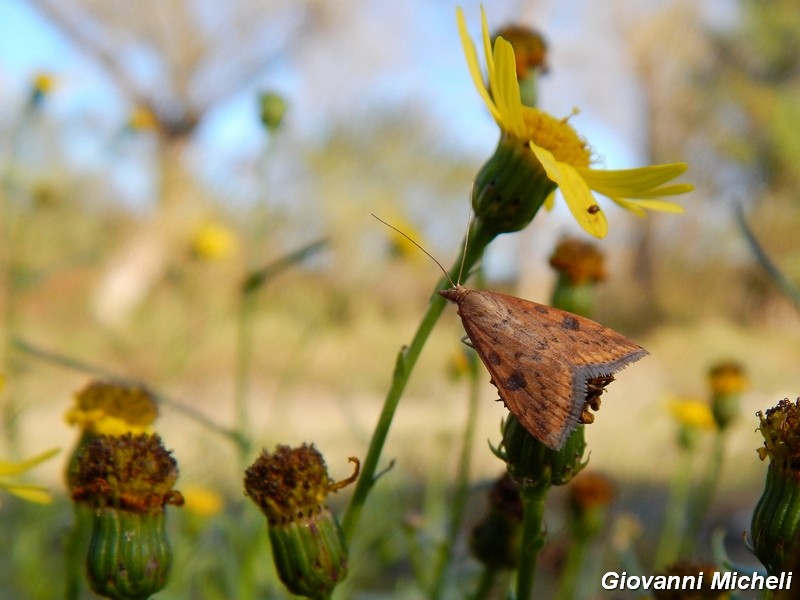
x=505, y=89
x=633, y=183
x=487, y=44
x=15, y=468
x=550, y=201
x=639, y=206
x=630, y=206
x=474, y=66
x=667, y=190
x=576, y=193
x=31, y=493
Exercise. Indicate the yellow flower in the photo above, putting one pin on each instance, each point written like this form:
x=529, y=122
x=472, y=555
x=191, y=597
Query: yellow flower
x=213, y=241
x=692, y=413
x=43, y=83
x=109, y=408
x=142, y=119
x=202, y=501
x=29, y=492
x=563, y=154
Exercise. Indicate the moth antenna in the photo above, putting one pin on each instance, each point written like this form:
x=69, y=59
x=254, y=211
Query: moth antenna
x=428, y=254
x=464, y=252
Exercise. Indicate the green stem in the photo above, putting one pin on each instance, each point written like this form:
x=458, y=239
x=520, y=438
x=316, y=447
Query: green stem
x=571, y=574
x=75, y=548
x=674, y=527
x=244, y=352
x=188, y=411
x=445, y=549
x=705, y=494
x=250, y=288
x=406, y=359
x=533, y=537
x=486, y=584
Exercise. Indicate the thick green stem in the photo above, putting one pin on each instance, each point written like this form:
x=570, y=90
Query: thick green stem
x=406, y=359
x=533, y=537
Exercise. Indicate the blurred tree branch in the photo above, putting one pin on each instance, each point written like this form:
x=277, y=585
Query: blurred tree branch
x=178, y=58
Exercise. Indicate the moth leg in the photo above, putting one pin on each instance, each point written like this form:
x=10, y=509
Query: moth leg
x=467, y=342
x=594, y=389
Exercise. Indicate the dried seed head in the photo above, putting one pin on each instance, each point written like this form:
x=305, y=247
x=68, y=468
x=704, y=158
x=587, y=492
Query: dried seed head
x=130, y=472
x=290, y=487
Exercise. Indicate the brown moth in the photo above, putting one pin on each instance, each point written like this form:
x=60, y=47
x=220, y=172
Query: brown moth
x=549, y=365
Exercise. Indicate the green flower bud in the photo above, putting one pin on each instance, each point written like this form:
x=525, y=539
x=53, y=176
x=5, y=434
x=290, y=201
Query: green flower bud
x=776, y=519
x=588, y=501
x=272, y=109
x=495, y=540
x=580, y=267
x=127, y=481
x=532, y=464
x=727, y=380
x=509, y=189
x=290, y=487
x=129, y=556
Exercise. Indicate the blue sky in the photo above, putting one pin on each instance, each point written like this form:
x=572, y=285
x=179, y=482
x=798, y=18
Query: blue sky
x=394, y=57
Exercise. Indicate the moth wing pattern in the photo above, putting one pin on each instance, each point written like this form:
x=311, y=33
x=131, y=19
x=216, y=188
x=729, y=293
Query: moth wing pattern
x=542, y=358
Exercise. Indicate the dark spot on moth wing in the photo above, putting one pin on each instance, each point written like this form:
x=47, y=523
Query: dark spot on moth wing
x=570, y=323
x=493, y=358
x=541, y=309
x=515, y=381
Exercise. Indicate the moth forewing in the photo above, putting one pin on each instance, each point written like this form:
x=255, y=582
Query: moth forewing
x=541, y=359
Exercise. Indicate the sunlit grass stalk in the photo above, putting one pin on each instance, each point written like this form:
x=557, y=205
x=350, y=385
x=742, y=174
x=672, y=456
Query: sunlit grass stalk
x=571, y=575
x=242, y=367
x=673, y=528
x=485, y=584
x=75, y=546
x=70, y=363
x=248, y=301
x=699, y=505
x=533, y=537
x=445, y=549
x=404, y=366
x=13, y=235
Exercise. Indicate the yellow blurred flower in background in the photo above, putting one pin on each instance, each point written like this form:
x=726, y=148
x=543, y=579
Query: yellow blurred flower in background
x=691, y=412
x=43, y=83
x=142, y=119
x=29, y=492
x=213, y=241
x=202, y=501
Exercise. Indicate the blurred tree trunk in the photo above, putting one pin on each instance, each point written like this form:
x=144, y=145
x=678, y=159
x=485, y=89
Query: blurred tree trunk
x=193, y=60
